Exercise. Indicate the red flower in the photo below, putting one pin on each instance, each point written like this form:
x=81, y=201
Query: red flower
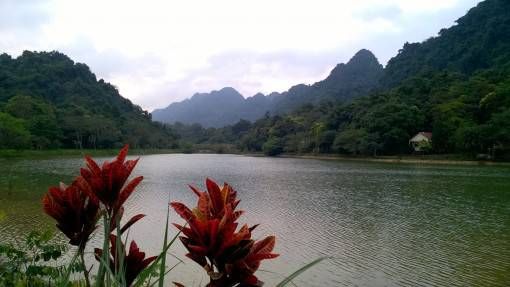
x=76, y=213
x=228, y=256
x=133, y=263
x=248, y=265
x=107, y=183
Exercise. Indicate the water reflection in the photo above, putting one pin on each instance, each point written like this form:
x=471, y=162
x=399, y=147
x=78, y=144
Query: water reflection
x=383, y=224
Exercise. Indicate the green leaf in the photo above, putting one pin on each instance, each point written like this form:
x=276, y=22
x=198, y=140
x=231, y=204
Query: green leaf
x=148, y=271
x=163, y=259
x=299, y=272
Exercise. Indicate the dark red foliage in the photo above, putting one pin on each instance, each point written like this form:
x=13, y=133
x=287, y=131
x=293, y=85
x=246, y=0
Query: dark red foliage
x=78, y=207
x=213, y=240
x=107, y=183
x=134, y=262
x=76, y=213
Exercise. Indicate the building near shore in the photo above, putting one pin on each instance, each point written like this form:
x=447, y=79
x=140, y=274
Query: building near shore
x=421, y=142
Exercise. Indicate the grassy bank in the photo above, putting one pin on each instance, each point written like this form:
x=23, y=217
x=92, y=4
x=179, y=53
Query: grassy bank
x=56, y=153
x=410, y=159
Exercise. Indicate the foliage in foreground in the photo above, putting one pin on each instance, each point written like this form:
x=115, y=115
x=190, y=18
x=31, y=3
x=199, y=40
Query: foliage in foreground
x=99, y=192
x=227, y=253
x=229, y=257
x=33, y=262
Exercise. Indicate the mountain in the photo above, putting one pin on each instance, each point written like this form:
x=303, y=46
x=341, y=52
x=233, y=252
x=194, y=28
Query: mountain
x=456, y=85
x=219, y=108
x=356, y=78
x=214, y=109
x=479, y=40
x=48, y=101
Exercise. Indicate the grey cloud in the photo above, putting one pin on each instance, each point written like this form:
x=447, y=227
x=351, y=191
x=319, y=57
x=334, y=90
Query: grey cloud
x=23, y=14
x=384, y=11
x=108, y=63
x=21, y=24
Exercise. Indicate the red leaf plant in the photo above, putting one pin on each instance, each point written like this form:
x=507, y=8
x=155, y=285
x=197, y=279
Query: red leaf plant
x=76, y=213
x=107, y=183
x=98, y=191
x=131, y=264
x=230, y=257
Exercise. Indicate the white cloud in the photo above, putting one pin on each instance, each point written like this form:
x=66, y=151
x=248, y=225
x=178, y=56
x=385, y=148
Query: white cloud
x=160, y=51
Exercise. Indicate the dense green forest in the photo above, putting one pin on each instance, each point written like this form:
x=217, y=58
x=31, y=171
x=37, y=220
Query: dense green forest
x=456, y=85
x=468, y=115
x=48, y=101
x=478, y=41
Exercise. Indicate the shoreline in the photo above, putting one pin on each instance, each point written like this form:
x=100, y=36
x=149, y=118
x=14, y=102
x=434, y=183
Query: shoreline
x=407, y=159
x=402, y=160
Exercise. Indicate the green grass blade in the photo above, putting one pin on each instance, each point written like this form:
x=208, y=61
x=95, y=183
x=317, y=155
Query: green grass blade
x=299, y=272
x=167, y=271
x=64, y=282
x=163, y=259
x=109, y=271
x=145, y=273
x=120, y=255
x=106, y=257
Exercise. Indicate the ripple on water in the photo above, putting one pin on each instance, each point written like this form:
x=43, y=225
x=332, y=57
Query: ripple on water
x=382, y=224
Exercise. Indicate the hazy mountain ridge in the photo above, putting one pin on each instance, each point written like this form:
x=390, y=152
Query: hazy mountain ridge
x=214, y=109
x=219, y=108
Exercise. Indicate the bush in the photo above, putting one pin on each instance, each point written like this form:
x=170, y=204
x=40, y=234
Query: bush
x=273, y=147
x=13, y=133
x=34, y=262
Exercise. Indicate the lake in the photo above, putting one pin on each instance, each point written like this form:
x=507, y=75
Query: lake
x=383, y=224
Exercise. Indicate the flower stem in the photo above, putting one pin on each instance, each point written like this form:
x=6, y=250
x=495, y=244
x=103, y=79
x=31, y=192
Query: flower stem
x=106, y=258
x=85, y=271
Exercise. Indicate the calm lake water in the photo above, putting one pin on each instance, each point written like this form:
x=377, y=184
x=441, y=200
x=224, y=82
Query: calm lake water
x=382, y=224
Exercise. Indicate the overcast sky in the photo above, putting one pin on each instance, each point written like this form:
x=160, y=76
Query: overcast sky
x=161, y=51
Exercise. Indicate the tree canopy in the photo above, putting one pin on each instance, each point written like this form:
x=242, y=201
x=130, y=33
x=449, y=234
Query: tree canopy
x=49, y=101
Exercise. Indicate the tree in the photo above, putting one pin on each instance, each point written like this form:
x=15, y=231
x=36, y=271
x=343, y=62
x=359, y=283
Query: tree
x=39, y=118
x=274, y=146
x=350, y=140
x=13, y=133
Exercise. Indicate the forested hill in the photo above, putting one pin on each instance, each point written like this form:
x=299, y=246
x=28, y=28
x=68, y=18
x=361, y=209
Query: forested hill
x=356, y=78
x=479, y=40
x=456, y=86
x=48, y=101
